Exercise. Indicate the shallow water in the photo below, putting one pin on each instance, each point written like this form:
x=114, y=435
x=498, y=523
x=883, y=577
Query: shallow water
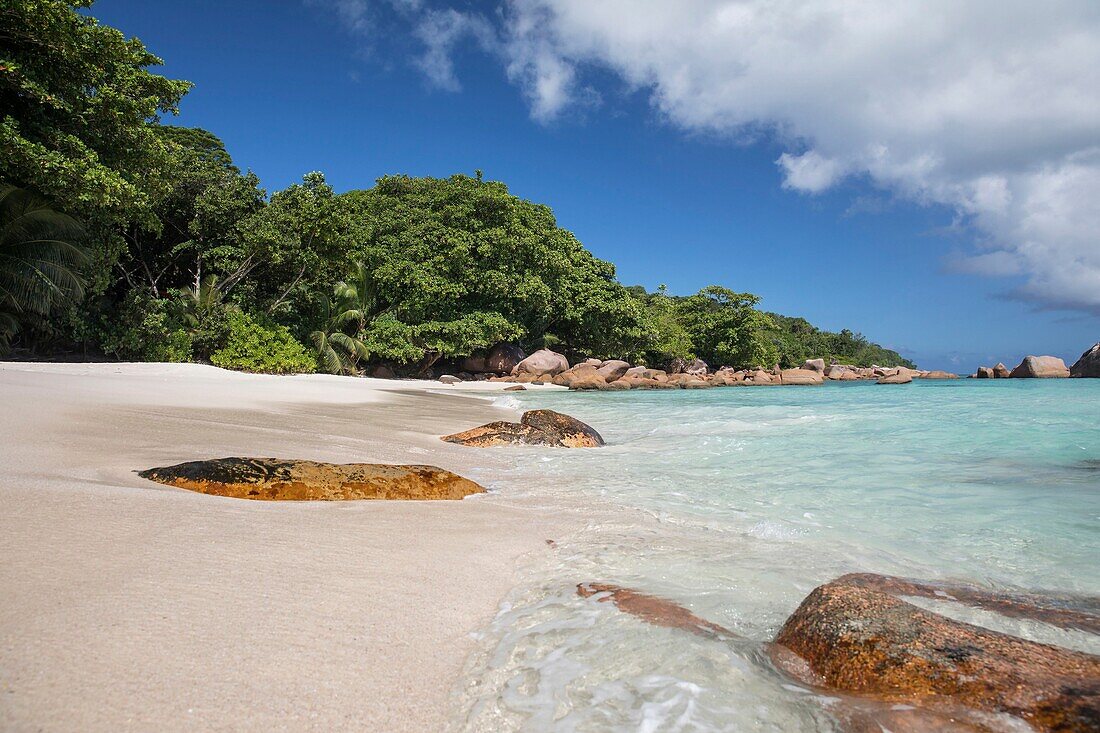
x=737, y=502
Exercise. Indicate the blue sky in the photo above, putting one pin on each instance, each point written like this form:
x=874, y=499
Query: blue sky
x=343, y=86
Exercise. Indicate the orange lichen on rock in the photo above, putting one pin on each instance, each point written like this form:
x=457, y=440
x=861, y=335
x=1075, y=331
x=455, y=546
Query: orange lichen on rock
x=536, y=427
x=274, y=479
x=865, y=641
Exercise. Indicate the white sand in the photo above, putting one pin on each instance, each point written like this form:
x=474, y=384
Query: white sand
x=125, y=605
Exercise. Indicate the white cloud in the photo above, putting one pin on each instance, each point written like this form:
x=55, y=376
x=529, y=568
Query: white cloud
x=440, y=31
x=810, y=172
x=989, y=107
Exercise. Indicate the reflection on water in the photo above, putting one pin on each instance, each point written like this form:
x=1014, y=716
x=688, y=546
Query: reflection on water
x=737, y=502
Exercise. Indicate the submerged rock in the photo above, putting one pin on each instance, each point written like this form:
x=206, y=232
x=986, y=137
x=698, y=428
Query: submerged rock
x=1040, y=367
x=657, y=611
x=274, y=479
x=536, y=427
x=889, y=665
x=860, y=640
x=1088, y=365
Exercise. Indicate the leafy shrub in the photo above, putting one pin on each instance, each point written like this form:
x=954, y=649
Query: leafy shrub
x=144, y=330
x=253, y=346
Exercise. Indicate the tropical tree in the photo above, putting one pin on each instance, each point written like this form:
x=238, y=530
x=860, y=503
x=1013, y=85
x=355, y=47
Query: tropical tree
x=41, y=252
x=338, y=352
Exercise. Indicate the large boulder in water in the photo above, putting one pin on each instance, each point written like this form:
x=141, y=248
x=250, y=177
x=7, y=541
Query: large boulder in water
x=938, y=374
x=1088, y=365
x=1000, y=371
x=536, y=427
x=275, y=479
x=984, y=373
x=542, y=362
x=897, y=377
x=864, y=641
x=1040, y=367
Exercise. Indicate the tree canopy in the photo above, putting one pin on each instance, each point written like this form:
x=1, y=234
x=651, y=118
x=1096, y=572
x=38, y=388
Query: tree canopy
x=184, y=256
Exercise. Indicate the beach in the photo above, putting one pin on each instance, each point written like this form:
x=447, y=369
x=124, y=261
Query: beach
x=128, y=605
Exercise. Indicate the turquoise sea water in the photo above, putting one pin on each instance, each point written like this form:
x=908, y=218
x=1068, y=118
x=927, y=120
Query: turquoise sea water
x=737, y=502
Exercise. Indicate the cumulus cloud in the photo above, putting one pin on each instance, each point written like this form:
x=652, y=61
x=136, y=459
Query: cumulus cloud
x=988, y=107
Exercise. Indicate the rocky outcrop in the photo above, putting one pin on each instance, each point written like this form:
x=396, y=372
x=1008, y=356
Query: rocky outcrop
x=612, y=369
x=1040, y=367
x=864, y=641
x=1000, y=371
x=937, y=374
x=897, y=377
x=802, y=376
x=580, y=371
x=274, y=479
x=817, y=365
x=984, y=373
x=1088, y=365
x=542, y=362
x=697, y=368
x=503, y=358
x=536, y=427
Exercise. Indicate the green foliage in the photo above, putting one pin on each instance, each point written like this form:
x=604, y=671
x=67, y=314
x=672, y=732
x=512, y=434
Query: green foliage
x=78, y=108
x=143, y=329
x=796, y=340
x=725, y=328
x=460, y=262
x=41, y=252
x=337, y=351
x=256, y=346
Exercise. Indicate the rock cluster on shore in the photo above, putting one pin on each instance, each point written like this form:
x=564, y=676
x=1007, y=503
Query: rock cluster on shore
x=549, y=367
x=890, y=665
x=273, y=479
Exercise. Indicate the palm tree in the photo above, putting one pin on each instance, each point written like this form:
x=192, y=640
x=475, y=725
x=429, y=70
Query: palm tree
x=195, y=304
x=40, y=252
x=337, y=352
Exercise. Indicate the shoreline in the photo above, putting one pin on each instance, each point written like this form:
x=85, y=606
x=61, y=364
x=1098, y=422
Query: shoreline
x=136, y=605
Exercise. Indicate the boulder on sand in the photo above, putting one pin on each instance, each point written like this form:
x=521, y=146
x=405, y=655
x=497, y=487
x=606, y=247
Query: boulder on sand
x=801, y=376
x=503, y=358
x=449, y=379
x=543, y=361
x=1000, y=371
x=274, y=479
x=536, y=427
x=1088, y=365
x=1040, y=367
